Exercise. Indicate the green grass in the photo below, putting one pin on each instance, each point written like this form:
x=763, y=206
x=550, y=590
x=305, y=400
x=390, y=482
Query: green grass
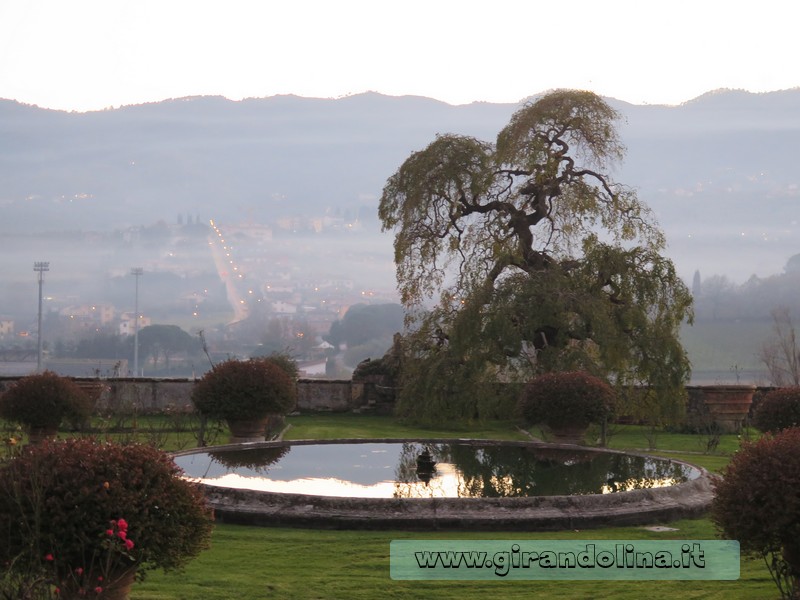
x=343, y=426
x=255, y=563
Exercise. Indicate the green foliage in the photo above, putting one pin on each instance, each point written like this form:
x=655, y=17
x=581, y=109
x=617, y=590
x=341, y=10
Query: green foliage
x=156, y=341
x=44, y=400
x=539, y=260
x=246, y=389
x=778, y=410
x=373, y=349
x=566, y=399
x=60, y=500
x=106, y=345
x=364, y=323
x=756, y=503
x=285, y=361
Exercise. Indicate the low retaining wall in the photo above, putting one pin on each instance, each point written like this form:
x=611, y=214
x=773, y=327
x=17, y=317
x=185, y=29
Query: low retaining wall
x=156, y=395
x=313, y=395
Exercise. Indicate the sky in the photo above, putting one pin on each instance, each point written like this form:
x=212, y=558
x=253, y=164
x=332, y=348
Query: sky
x=94, y=54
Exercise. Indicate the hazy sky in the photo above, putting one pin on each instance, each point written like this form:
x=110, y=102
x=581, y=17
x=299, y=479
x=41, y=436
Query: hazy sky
x=91, y=54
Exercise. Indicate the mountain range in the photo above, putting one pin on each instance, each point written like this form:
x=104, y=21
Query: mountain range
x=719, y=171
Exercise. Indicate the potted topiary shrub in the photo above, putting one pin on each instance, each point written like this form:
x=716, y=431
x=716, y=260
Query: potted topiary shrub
x=85, y=517
x=756, y=503
x=778, y=409
x=566, y=403
x=248, y=394
x=42, y=401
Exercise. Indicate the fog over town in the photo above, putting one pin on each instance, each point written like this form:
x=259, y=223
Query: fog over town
x=255, y=222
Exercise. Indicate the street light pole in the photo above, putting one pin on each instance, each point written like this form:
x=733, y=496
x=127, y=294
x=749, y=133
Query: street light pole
x=136, y=272
x=40, y=268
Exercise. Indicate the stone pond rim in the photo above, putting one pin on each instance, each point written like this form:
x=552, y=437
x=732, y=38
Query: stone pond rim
x=649, y=506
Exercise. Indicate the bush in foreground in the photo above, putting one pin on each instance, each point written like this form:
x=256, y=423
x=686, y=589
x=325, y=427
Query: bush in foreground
x=81, y=514
x=758, y=503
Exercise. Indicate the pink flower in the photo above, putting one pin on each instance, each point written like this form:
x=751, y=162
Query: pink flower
x=122, y=535
x=109, y=532
x=98, y=590
x=128, y=544
x=99, y=578
x=79, y=571
x=122, y=524
x=49, y=557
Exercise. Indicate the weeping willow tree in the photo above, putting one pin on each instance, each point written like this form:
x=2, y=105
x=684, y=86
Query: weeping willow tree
x=524, y=256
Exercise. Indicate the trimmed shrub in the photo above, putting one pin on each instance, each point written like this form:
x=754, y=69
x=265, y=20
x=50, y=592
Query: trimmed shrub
x=245, y=389
x=566, y=399
x=44, y=400
x=758, y=503
x=83, y=511
x=778, y=410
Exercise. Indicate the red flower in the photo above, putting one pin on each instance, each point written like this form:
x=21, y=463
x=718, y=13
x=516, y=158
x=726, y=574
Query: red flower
x=128, y=544
x=49, y=557
x=122, y=535
x=122, y=524
x=99, y=578
x=98, y=590
x=79, y=571
x=109, y=532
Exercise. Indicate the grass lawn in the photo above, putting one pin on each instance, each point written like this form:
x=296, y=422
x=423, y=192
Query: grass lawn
x=344, y=425
x=248, y=562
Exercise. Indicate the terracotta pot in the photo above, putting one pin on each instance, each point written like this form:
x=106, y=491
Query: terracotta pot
x=247, y=430
x=119, y=586
x=116, y=586
x=728, y=405
x=572, y=434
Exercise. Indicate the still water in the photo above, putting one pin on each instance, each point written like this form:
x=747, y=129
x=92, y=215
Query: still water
x=424, y=470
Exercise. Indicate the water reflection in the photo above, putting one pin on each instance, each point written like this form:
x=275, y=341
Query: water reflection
x=428, y=470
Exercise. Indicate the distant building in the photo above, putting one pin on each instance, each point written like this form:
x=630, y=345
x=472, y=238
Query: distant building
x=93, y=313
x=312, y=368
x=127, y=323
x=6, y=328
x=283, y=308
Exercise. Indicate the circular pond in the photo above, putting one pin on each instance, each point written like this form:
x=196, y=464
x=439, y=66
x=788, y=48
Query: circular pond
x=469, y=484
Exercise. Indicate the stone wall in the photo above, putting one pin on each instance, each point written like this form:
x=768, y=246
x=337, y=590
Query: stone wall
x=313, y=395
x=154, y=395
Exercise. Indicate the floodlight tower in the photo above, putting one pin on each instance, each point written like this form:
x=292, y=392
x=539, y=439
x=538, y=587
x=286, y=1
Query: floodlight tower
x=40, y=268
x=136, y=272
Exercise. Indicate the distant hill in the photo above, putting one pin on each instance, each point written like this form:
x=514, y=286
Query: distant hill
x=709, y=167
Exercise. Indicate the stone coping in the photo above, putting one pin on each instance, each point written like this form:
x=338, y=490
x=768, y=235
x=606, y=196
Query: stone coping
x=534, y=513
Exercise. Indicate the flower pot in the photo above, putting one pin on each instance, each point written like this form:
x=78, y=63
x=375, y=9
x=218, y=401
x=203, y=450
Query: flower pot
x=119, y=585
x=728, y=405
x=568, y=434
x=247, y=430
x=116, y=586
